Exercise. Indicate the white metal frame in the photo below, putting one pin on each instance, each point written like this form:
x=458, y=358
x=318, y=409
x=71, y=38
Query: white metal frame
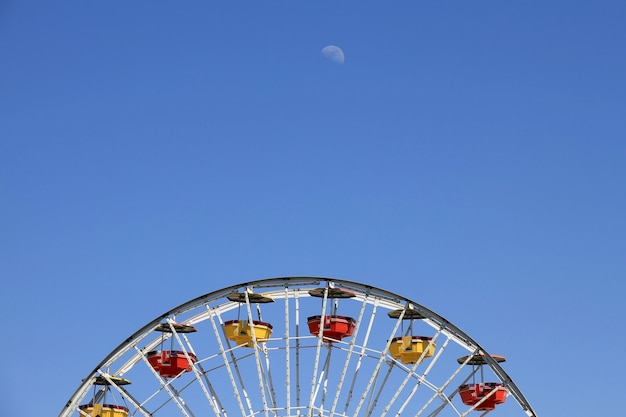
x=295, y=373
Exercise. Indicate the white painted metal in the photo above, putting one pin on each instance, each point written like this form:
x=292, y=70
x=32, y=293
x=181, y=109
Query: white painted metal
x=355, y=376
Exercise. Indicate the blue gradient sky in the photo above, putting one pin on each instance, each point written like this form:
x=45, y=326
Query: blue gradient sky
x=468, y=155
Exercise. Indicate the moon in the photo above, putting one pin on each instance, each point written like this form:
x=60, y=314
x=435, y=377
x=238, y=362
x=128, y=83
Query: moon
x=333, y=53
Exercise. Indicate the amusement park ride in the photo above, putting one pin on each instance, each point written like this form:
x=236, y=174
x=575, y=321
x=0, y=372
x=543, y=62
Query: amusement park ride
x=330, y=364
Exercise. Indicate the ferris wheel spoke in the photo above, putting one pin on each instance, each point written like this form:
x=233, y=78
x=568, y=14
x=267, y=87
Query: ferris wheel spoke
x=375, y=397
x=438, y=353
x=212, y=396
x=323, y=381
x=379, y=363
x=227, y=366
x=177, y=399
x=154, y=374
x=411, y=375
x=182, y=401
x=445, y=400
x=175, y=395
x=423, y=380
x=209, y=392
x=134, y=401
x=361, y=355
x=139, y=354
x=439, y=393
x=242, y=386
x=349, y=357
x=318, y=349
x=399, y=390
x=124, y=393
x=297, y=347
x=264, y=379
x=268, y=378
x=200, y=376
x=438, y=410
x=287, y=353
x=257, y=356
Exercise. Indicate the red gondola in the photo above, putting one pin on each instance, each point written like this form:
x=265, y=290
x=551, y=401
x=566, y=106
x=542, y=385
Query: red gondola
x=472, y=394
x=484, y=396
x=171, y=363
x=334, y=328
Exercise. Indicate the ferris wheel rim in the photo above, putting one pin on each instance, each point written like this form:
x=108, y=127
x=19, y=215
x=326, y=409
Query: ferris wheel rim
x=305, y=281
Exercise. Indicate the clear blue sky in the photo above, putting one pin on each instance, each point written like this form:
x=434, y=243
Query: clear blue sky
x=468, y=155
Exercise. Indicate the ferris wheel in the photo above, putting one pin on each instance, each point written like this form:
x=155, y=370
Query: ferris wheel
x=299, y=346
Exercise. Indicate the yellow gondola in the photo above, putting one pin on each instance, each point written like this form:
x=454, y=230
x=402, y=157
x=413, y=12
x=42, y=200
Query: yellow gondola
x=409, y=349
x=104, y=410
x=241, y=331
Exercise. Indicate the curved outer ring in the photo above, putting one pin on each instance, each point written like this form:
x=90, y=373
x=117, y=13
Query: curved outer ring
x=444, y=324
